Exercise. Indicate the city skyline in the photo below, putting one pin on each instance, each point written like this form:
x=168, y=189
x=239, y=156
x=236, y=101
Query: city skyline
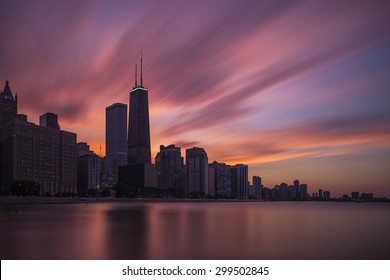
x=287, y=91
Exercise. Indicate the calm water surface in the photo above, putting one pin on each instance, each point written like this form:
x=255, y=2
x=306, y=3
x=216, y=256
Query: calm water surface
x=187, y=230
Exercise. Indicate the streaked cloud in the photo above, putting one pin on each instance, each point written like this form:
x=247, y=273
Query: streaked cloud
x=251, y=81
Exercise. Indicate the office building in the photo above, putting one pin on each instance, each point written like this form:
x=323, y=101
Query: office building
x=139, y=131
x=170, y=167
x=240, y=181
x=303, y=194
x=222, y=179
x=116, y=140
x=88, y=169
x=197, y=171
x=139, y=172
x=257, y=187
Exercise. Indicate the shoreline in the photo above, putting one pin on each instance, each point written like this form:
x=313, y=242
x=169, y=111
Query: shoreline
x=69, y=200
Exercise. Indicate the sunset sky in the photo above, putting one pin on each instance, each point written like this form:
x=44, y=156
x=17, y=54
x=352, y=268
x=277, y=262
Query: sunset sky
x=296, y=89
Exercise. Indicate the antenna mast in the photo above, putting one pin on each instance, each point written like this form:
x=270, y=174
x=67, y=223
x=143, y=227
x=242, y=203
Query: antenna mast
x=141, y=71
x=135, y=75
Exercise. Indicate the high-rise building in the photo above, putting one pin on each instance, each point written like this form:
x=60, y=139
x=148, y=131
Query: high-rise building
x=222, y=179
x=257, y=187
x=240, y=181
x=303, y=194
x=139, y=131
x=139, y=172
x=39, y=154
x=197, y=171
x=116, y=140
x=170, y=167
x=88, y=169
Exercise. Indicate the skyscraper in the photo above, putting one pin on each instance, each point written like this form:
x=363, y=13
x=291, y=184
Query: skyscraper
x=197, y=170
x=222, y=179
x=88, y=168
x=240, y=181
x=140, y=172
x=116, y=139
x=170, y=167
x=257, y=187
x=139, y=131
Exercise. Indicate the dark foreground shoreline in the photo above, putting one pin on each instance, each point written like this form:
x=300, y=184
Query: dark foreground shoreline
x=70, y=200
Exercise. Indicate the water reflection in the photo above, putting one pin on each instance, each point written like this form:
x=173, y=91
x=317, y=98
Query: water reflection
x=195, y=231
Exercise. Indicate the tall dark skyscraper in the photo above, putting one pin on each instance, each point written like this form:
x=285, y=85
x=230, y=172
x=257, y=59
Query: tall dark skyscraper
x=139, y=131
x=116, y=139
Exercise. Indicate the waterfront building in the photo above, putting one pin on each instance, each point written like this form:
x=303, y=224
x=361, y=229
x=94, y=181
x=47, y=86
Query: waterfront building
x=327, y=195
x=197, y=171
x=170, y=166
x=240, y=181
x=139, y=171
x=88, y=169
x=139, y=131
x=116, y=140
x=355, y=195
x=303, y=194
x=222, y=179
x=257, y=187
x=42, y=154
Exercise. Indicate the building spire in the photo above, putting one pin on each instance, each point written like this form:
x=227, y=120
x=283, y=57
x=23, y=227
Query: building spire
x=135, y=76
x=141, y=71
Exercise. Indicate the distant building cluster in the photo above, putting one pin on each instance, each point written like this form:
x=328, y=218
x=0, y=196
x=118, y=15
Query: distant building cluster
x=358, y=197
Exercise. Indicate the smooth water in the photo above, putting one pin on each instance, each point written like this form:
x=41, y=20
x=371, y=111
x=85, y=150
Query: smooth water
x=196, y=230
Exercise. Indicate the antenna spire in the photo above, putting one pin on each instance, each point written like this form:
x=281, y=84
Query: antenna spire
x=141, y=71
x=135, y=75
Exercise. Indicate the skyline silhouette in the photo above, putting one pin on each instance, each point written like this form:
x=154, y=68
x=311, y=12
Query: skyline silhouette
x=287, y=91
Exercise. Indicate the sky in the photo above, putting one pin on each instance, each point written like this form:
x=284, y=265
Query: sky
x=295, y=89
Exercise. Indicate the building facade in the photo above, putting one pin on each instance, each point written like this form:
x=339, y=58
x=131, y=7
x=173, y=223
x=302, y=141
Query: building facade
x=88, y=168
x=116, y=140
x=240, y=181
x=40, y=154
x=197, y=170
x=257, y=187
x=170, y=167
x=139, y=130
x=222, y=179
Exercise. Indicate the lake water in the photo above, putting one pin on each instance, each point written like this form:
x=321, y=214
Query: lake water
x=196, y=230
